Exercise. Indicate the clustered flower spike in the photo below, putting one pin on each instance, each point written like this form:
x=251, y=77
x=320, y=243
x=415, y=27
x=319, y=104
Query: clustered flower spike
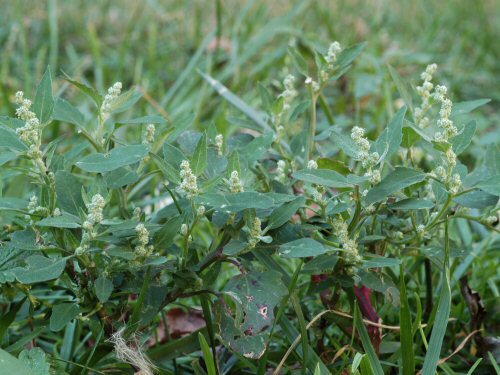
x=255, y=233
x=311, y=164
x=31, y=131
x=317, y=193
x=368, y=160
x=149, y=137
x=444, y=122
x=219, y=142
x=280, y=171
x=94, y=216
x=113, y=92
x=189, y=183
x=424, y=92
x=141, y=248
x=289, y=93
x=314, y=85
x=331, y=55
x=235, y=184
x=340, y=229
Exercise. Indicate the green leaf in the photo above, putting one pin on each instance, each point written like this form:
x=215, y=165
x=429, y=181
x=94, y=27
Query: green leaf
x=321, y=264
x=397, y=180
x=234, y=247
x=165, y=236
x=412, y=204
x=62, y=314
x=43, y=105
x=438, y=331
x=389, y=141
x=36, y=360
x=233, y=164
x=9, y=139
x=169, y=172
x=223, y=91
x=491, y=185
x=152, y=119
x=324, y=177
x=461, y=141
x=199, y=160
x=304, y=247
x=120, y=177
x=282, y=214
x=124, y=101
x=117, y=158
x=103, y=288
x=298, y=61
x=90, y=92
x=39, y=268
x=12, y=365
x=348, y=55
x=379, y=262
x=476, y=199
x=468, y=106
x=7, y=156
x=257, y=295
x=234, y=202
x=66, y=112
x=207, y=355
x=367, y=345
x=65, y=220
x=68, y=190
x=402, y=87
x=410, y=137
x=406, y=331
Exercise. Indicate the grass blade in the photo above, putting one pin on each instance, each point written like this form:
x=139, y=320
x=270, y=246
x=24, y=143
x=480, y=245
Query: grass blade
x=406, y=332
x=367, y=344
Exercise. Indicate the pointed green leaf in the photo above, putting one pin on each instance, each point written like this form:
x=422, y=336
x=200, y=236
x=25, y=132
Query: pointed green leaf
x=39, y=268
x=304, y=247
x=9, y=139
x=324, y=177
x=463, y=140
x=43, y=105
x=199, y=160
x=389, y=141
x=282, y=214
x=491, y=185
x=103, y=288
x=468, y=106
x=65, y=220
x=118, y=157
x=397, y=180
x=66, y=112
x=90, y=92
x=68, y=189
x=12, y=365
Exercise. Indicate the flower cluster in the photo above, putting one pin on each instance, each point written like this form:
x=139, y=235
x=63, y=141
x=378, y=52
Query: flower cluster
x=455, y=184
x=314, y=85
x=444, y=122
x=149, y=136
x=31, y=131
x=113, y=92
x=424, y=92
x=289, y=93
x=311, y=164
x=280, y=171
x=368, y=160
x=317, y=193
x=349, y=245
x=255, y=233
x=189, y=183
x=94, y=216
x=331, y=55
x=142, y=248
x=234, y=183
x=219, y=142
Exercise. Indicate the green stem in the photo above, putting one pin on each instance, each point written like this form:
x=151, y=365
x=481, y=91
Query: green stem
x=312, y=126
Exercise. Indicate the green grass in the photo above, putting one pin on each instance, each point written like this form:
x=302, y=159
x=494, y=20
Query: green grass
x=164, y=46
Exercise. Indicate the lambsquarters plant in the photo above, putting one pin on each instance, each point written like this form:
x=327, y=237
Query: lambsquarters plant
x=109, y=221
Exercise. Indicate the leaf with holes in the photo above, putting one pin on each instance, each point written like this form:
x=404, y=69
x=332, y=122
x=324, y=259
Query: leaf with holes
x=244, y=327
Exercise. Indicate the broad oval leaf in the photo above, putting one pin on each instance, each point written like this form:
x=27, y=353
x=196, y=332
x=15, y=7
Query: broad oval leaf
x=63, y=221
x=103, y=288
x=39, y=268
x=117, y=158
x=234, y=202
x=324, y=177
x=304, y=247
x=397, y=180
x=62, y=314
